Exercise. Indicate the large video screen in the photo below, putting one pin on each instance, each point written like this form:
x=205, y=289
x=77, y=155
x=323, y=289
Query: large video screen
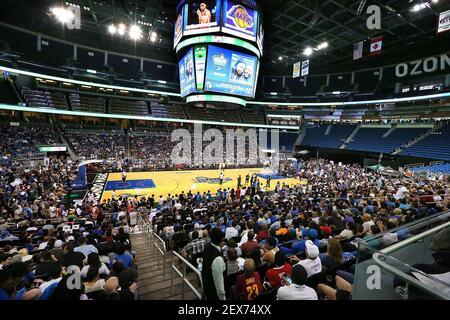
x=187, y=75
x=178, y=32
x=202, y=17
x=230, y=72
x=240, y=21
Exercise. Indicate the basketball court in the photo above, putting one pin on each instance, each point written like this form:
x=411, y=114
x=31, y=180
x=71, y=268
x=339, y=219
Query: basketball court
x=174, y=182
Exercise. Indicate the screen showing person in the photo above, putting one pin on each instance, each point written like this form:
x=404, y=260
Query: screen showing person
x=242, y=69
x=238, y=71
x=189, y=68
x=248, y=73
x=202, y=15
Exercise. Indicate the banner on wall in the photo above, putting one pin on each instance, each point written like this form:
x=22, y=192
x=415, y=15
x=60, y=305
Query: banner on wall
x=444, y=21
x=296, y=70
x=305, y=68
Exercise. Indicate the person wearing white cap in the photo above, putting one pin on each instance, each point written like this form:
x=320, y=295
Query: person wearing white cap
x=312, y=263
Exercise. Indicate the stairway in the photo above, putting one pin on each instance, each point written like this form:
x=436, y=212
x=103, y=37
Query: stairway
x=350, y=138
x=153, y=285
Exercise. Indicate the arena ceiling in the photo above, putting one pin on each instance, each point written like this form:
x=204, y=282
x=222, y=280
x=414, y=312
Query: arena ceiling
x=290, y=27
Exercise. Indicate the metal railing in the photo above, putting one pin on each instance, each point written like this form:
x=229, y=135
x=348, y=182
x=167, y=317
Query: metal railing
x=403, y=271
x=157, y=246
x=185, y=264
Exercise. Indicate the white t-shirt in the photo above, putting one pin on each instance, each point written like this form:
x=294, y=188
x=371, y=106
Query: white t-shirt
x=231, y=232
x=133, y=218
x=296, y=292
x=311, y=266
x=366, y=225
x=346, y=234
x=401, y=193
x=102, y=270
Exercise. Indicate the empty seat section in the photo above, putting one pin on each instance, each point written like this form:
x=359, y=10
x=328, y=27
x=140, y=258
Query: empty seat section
x=87, y=103
x=434, y=146
x=131, y=107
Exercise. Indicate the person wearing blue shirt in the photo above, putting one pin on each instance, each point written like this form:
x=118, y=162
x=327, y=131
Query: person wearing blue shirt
x=124, y=258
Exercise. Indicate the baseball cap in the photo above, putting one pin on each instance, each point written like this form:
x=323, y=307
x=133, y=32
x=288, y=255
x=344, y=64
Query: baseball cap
x=311, y=249
x=71, y=238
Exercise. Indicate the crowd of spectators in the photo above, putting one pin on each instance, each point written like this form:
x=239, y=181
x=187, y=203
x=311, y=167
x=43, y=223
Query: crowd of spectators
x=98, y=145
x=22, y=140
x=286, y=244
x=54, y=249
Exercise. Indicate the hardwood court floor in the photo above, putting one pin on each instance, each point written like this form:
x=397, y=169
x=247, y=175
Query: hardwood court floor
x=174, y=182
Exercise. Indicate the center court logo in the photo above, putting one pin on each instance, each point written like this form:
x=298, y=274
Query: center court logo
x=211, y=180
x=238, y=147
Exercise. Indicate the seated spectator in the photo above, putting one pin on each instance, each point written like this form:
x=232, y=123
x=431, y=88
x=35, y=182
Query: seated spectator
x=232, y=263
x=343, y=290
x=312, y=263
x=93, y=261
x=263, y=233
x=47, y=265
x=85, y=248
x=250, y=244
x=270, y=250
x=71, y=258
x=297, y=290
x=128, y=285
x=57, y=250
x=179, y=240
x=349, y=232
x=276, y=275
x=10, y=279
x=5, y=260
x=248, y=284
x=62, y=291
x=231, y=231
x=368, y=222
x=123, y=257
x=334, y=256
x=92, y=280
x=194, y=249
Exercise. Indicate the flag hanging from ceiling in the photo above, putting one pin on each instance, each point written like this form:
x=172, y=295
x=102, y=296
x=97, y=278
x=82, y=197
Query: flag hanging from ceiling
x=305, y=68
x=296, y=71
x=358, y=50
x=376, y=45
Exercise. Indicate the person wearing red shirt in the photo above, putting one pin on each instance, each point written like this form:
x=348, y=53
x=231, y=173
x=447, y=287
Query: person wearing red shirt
x=276, y=276
x=263, y=234
x=248, y=246
x=248, y=284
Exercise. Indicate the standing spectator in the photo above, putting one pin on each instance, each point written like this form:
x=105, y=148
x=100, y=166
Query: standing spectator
x=214, y=267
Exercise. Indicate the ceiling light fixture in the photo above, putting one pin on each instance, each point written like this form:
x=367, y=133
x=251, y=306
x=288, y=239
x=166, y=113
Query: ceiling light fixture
x=308, y=51
x=63, y=15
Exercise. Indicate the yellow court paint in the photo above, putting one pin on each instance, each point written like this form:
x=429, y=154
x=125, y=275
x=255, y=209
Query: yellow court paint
x=174, y=182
